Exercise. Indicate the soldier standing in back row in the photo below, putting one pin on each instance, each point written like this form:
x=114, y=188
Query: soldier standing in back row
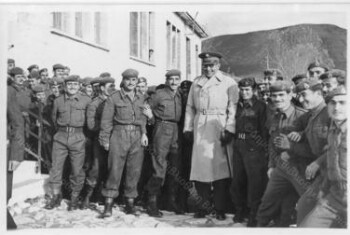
x=68, y=116
x=123, y=133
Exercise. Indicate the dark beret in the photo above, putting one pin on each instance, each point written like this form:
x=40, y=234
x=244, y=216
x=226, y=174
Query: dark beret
x=249, y=81
x=317, y=64
x=72, y=78
x=95, y=80
x=210, y=57
x=299, y=77
x=9, y=61
x=86, y=81
x=281, y=86
x=186, y=84
x=38, y=88
x=340, y=90
x=173, y=72
x=55, y=81
x=15, y=71
x=130, y=73
x=43, y=70
x=58, y=66
x=340, y=75
x=105, y=80
x=32, y=67
x=310, y=84
x=105, y=74
x=34, y=74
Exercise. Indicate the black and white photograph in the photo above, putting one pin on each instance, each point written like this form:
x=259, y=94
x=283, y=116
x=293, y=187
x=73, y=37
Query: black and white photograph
x=165, y=115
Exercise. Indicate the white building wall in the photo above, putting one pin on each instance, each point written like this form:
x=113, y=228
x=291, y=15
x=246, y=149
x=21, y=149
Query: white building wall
x=34, y=43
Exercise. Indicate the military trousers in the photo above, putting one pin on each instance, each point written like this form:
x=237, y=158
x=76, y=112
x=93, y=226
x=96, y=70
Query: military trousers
x=125, y=151
x=165, y=157
x=72, y=145
x=282, y=182
x=249, y=175
x=98, y=170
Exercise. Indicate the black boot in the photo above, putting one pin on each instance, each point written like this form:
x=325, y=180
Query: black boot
x=173, y=206
x=130, y=207
x=152, y=207
x=239, y=216
x=220, y=215
x=86, y=202
x=252, y=222
x=74, y=202
x=55, y=201
x=200, y=214
x=108, y=207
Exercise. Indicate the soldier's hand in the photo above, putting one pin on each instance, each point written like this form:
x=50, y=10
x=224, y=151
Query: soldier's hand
x=106, y=146
x=13, y=165
x=282, y=142
x=269, y=172
x=188, y=135
x=294, y=136
x=144, y=140
x=311, y=170
x=147, y=111
x=284, y=156
x=226, y=137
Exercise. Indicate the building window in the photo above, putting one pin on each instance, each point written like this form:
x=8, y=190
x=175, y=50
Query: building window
x=87, y=26
x=197, y=60
x=188, y=58
x=142, y=35
x=173, y=46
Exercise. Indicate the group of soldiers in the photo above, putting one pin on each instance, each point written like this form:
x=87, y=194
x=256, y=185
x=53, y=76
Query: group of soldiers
x=262, y=148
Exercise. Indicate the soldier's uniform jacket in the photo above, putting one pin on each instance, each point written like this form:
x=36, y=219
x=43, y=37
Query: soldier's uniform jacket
x=121, y=110
x=23, y=97
x=293, y=119
x=166, y=105
x=251, y=121
x=70, y=111
x=94, y=113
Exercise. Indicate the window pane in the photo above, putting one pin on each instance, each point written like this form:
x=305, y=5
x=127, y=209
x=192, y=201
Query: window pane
x=197, y=60
x=78, y=24
x=57, y=20
x=178, y=49
x=173, y=47
x=97, y=27
x=144, y=36
x=134, y=34
x=168, y=45
x=188, y=58
x=151, y=37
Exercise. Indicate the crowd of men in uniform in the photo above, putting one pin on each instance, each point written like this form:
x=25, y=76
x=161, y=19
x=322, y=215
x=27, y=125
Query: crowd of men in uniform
x=273, y=152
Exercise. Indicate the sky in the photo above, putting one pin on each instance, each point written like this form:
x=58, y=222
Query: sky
x=219, y=23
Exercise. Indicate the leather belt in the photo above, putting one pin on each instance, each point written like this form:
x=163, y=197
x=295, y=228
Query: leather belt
x=212, y=112
x=70, y=129
x=166, y=121
x=127, y=127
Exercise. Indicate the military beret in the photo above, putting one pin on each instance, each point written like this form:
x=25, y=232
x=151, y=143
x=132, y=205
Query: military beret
x=43, y=70
x=72, y=78
x=32, y=67
x=340, y=75
x=186, y=84
x=34, y=74
x=86, y=81
x=56, y=81
x=95, y=80
x=210, y=57
x=105, y=74
x=173, y=72
x=38, y=88
x=317, y=64
x=281, y=86
x=310, y=84
x=141, y=80
x=249, y=81
x=58, y=66
x=106, y=80
x=340, y=90
x=299, y=77
x=130, y=73
x=9, y=61
x=15, y=71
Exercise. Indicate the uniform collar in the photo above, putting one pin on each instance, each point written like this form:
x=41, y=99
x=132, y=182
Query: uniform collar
x=334, y=126
x=217, y=78
x=250, y=102
x=287, y=113
x=315, y=111
x=76, y=97
x=124, y=95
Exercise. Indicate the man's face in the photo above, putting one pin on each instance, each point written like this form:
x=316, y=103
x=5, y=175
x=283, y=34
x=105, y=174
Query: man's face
x=40, y=96
x=33, y=82
x=96, y=88
x=173, y=82
x=270, y=79
x=210, y=70
x=142, y=87
x=129, y=84
x=246, y=92
x=72, y=87
x=108, y=89
x=88, y=90
x=329, y=84
x=55, y=90
x=18, y=79
x=337, y=108
x=316, y=72
x=44, y=75
x=59, y=73
x=309, y=99
x=281, y=99
x=10, y=66
x=67, y=72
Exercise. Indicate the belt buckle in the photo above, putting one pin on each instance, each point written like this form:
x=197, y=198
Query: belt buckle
x=70, y=129
x=204, y=112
